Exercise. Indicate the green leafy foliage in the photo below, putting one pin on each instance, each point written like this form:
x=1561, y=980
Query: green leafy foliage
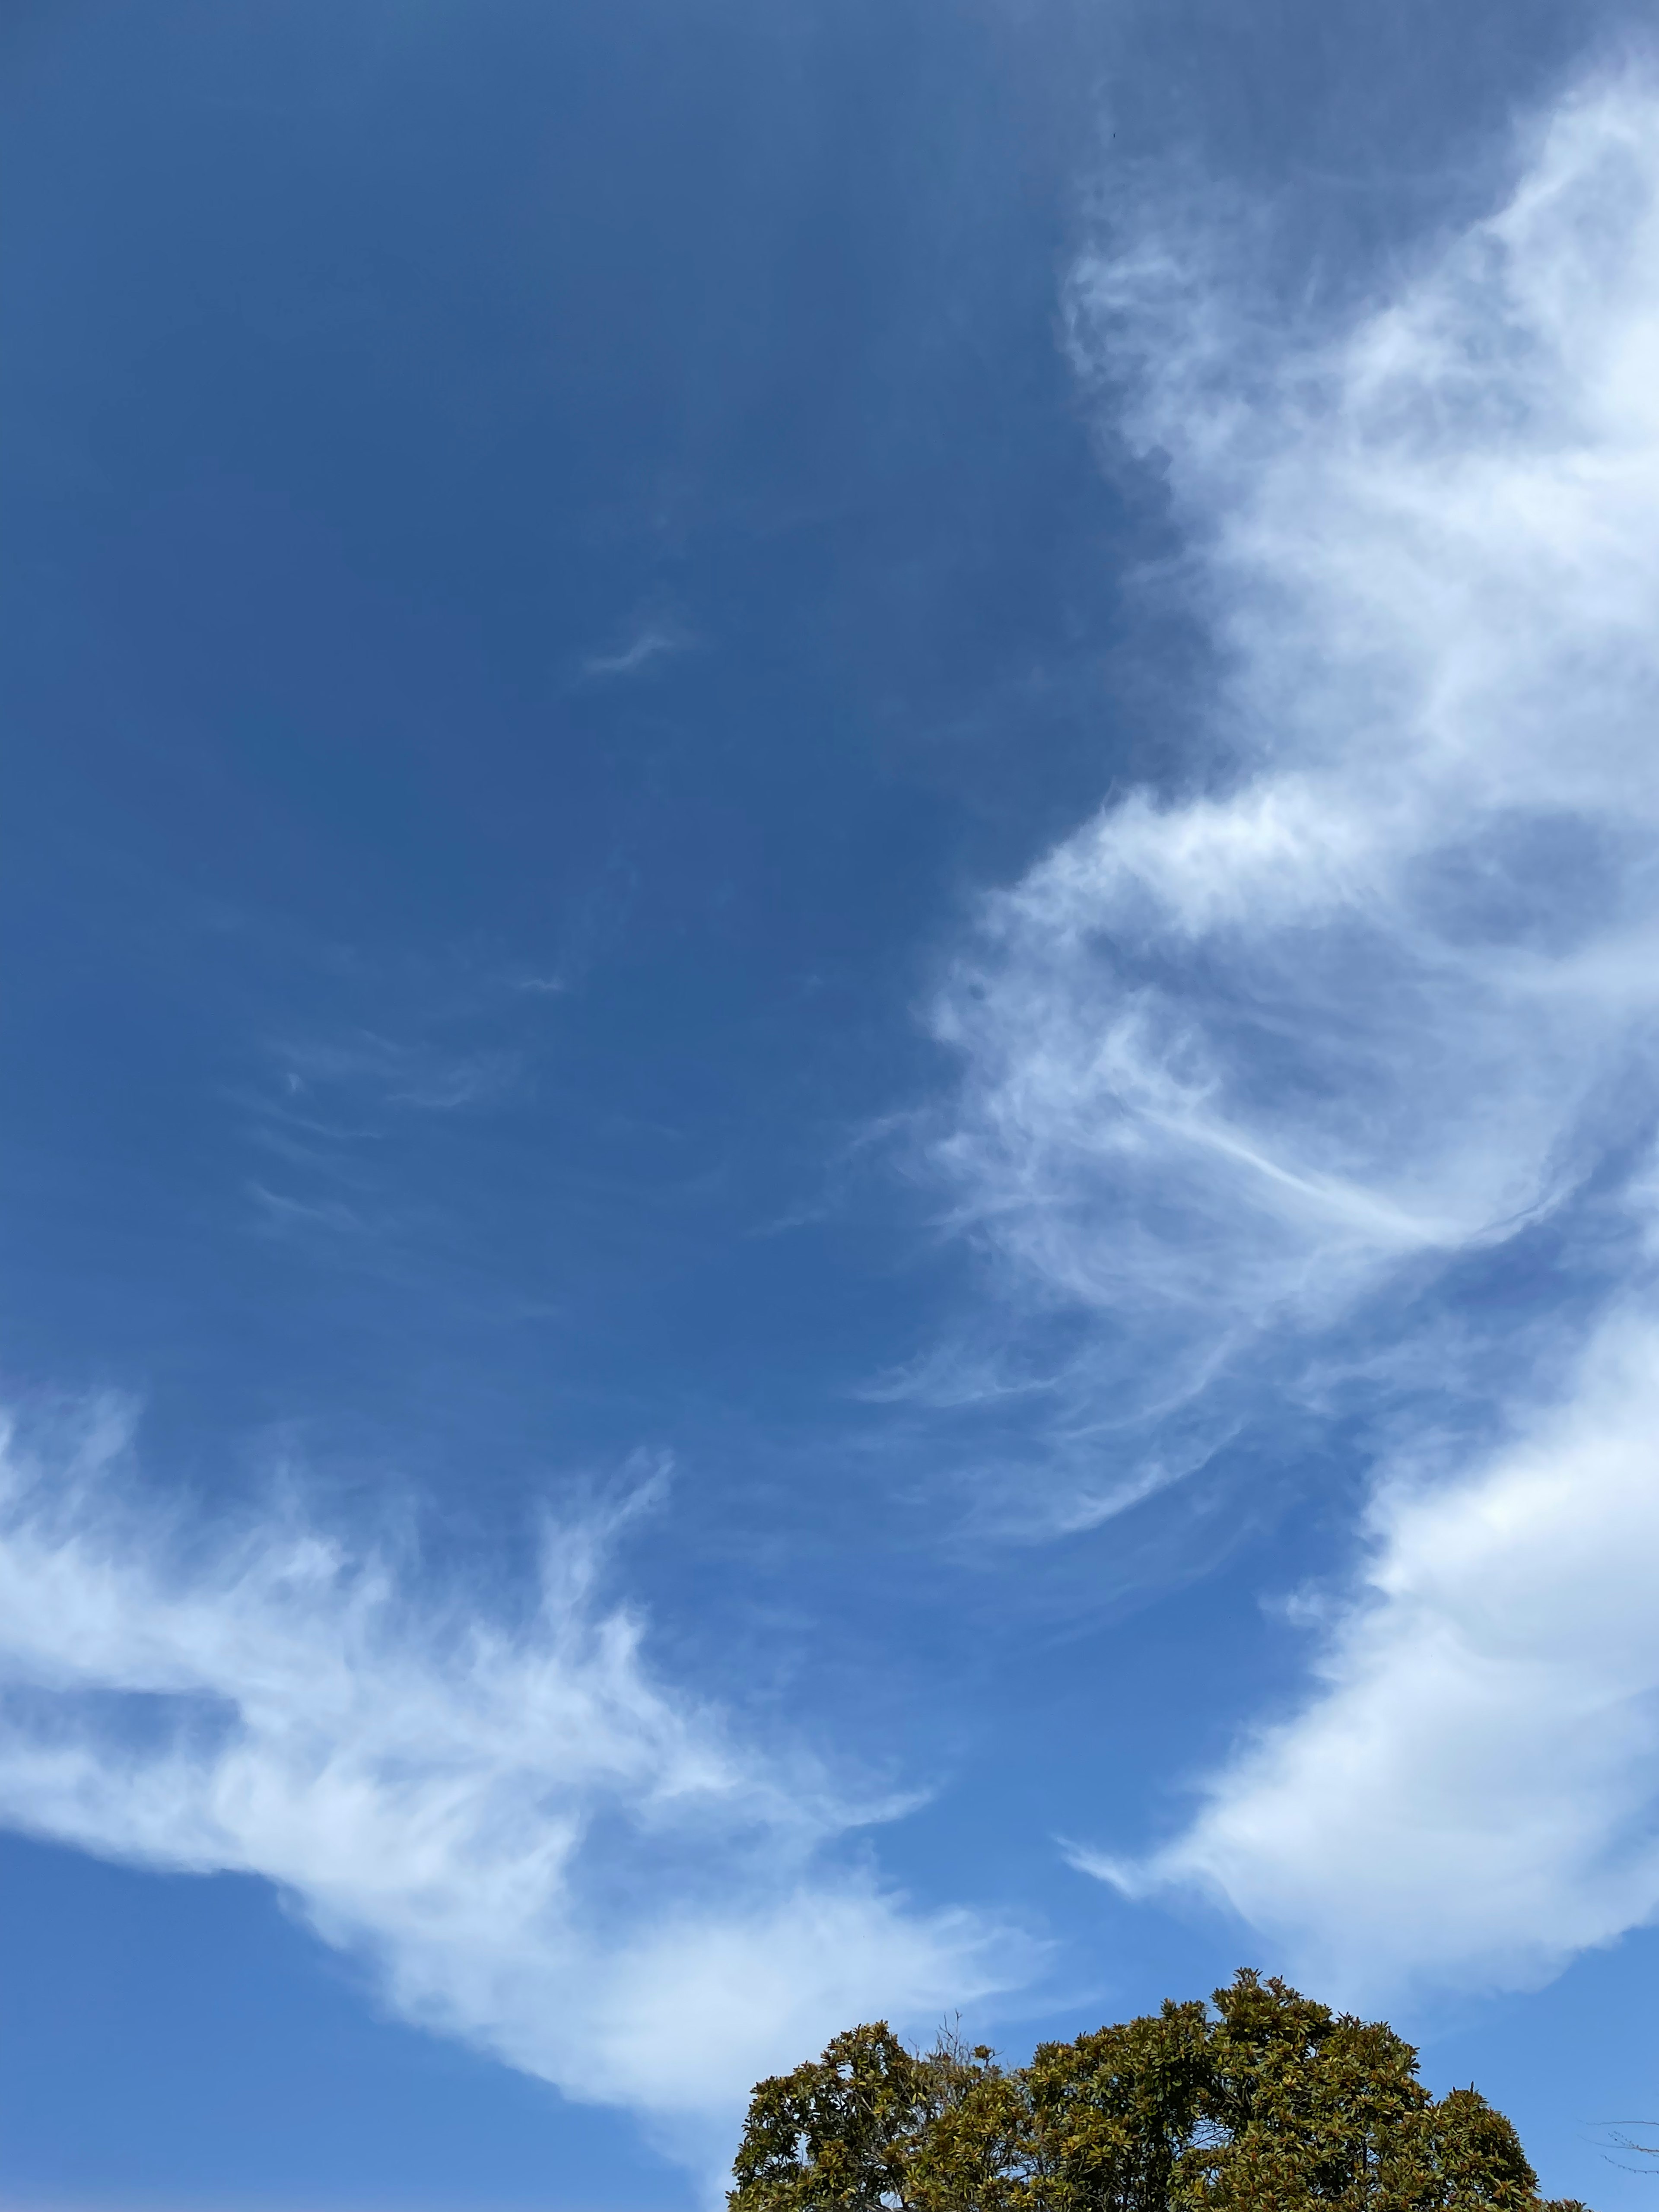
x=844, y=2130
x=1267, y=2102
x=1117, y=2114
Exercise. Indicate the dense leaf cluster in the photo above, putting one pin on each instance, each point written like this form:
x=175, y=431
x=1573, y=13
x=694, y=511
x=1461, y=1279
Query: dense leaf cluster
x=1267, y=2101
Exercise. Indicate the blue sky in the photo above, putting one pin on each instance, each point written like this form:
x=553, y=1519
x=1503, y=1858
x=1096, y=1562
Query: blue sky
x=830, y=1094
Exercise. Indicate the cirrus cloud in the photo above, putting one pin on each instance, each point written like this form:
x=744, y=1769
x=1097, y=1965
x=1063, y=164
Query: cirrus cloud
x=1377, y=992
x=534, y=1843
x=1233, y=1055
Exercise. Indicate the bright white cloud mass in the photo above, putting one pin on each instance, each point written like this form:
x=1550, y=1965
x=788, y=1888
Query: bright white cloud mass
x=1381, y=992
x=534, y=1845
x=1472, y=1797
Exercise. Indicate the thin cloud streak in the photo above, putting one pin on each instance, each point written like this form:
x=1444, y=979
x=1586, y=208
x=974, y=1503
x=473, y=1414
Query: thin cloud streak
x=534, y=1844
x=650, y=644
x=380, y=1070
x=1382, y=993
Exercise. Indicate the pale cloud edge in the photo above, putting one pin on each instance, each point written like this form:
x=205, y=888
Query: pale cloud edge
x=1378, y=996
x=532, y=1842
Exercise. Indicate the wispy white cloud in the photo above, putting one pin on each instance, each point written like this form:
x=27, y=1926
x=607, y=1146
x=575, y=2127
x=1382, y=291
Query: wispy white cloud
x=652, y=642
x=1376, y=991
x=534, y=1843
x=1359, y=998
x=383, y=1071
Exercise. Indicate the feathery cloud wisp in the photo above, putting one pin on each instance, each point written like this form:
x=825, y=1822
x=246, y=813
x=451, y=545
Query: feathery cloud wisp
x=535, y=1844
x=1231, y=1058
x=648, y=644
